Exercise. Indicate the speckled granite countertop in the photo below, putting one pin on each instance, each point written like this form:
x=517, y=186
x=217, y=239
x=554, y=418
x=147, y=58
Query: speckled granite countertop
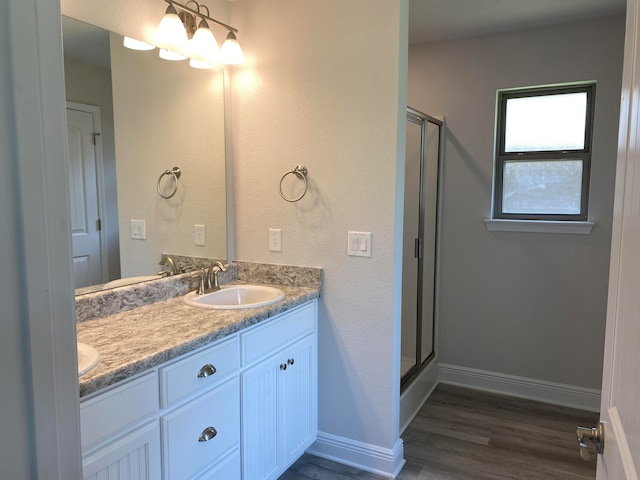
x=133, y=341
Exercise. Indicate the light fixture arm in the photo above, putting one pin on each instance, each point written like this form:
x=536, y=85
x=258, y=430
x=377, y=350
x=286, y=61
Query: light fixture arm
x=199, y=14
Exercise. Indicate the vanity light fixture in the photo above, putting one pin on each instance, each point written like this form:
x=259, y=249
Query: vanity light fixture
x=171, y=34
x=134, y=44
x=231, y=53
x=180, y=35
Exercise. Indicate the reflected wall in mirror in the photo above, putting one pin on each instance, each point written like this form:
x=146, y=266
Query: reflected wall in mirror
x=151, y=115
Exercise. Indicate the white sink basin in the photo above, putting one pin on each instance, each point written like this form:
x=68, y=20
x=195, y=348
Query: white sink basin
x=88, y=357
x=235, y=297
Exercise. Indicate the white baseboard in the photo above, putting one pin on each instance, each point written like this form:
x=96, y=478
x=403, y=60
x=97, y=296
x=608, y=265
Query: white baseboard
x=371, y=458
x=412, y=399
x=549, y=392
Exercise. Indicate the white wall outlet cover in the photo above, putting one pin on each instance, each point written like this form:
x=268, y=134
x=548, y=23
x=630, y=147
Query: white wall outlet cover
x=138, y=230
x=359, y=244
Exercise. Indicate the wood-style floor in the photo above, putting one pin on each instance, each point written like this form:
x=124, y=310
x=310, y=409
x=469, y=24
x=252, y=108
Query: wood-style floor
x=463, y=434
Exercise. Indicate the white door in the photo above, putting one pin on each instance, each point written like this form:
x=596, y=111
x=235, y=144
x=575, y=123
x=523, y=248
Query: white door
x=83, y=187
x=620, y=406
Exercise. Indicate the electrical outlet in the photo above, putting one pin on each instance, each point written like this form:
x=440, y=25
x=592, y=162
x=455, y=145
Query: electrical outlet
x=275, y=239
x=199, y=235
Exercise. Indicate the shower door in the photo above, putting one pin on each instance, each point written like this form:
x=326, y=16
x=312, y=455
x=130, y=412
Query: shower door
x=419, y=243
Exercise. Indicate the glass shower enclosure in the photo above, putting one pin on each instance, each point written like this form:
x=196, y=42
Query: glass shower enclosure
x=419, y=243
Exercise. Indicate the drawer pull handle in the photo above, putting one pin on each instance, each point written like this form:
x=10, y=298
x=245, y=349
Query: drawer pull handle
x=283, y=366
x=207, y=370
x=290, y=361
x=207, y=434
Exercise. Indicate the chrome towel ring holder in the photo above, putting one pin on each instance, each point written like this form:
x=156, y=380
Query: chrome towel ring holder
x=301, y=172
x=175, y=173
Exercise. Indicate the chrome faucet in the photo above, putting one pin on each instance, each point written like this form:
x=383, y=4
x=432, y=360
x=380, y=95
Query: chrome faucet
x=166, y=260
x=209, y=279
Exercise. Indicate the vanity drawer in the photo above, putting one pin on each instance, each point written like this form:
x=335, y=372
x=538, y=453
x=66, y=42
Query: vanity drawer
x=227, y=469
x=199, y=371
x=118, y=408
x=217, y=411
x=273, y=335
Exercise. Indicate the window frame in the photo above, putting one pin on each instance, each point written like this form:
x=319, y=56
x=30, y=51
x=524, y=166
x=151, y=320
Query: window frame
x=583, y=155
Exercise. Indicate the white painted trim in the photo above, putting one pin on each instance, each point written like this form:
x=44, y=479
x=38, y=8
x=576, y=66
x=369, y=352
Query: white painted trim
x=538, y=226
x=364, y=456
x=37, y=80
x=412, y=399
x=522, y=387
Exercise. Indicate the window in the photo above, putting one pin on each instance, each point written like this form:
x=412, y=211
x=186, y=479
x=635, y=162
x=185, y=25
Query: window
x=543, y=153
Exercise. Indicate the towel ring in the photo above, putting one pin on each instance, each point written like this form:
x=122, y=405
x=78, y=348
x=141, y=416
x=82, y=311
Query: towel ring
x=301, y=172
x=175, y=172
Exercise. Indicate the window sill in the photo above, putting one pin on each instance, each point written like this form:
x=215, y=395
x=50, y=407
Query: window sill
x=539, y=226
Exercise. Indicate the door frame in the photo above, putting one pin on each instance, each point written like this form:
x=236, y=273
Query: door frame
x=94, y=110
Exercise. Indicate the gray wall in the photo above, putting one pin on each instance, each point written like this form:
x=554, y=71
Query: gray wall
x=526, y=304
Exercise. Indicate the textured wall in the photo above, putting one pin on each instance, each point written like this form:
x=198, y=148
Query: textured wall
x=520, y=303
x=322, y=88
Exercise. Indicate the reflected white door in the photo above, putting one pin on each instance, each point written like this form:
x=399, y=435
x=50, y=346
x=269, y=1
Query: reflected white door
x=83, y=187
x=620, y=408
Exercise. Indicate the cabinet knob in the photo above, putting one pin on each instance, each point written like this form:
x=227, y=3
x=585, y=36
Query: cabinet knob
x=207, y=434
x=290, y=361
x=207, y=370
x=283, y=366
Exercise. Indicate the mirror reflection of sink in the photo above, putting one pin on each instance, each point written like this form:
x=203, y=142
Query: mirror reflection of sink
x=123, y=282
x=88, y=357
x=236, y=297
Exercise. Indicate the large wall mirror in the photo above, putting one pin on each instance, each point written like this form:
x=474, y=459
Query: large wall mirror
x=132, y=117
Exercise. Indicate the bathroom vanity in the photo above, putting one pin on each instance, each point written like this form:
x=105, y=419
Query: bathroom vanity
x=187, y=393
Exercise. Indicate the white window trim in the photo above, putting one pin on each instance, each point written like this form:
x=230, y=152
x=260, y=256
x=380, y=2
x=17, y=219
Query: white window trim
x=539, y=226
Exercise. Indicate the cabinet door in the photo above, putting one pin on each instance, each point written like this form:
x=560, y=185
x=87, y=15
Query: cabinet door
x=260, y=452
x=297, y=400
x=279, y=410
x=135, y=456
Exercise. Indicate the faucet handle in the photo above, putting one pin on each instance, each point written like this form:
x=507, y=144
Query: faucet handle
x=202, y=283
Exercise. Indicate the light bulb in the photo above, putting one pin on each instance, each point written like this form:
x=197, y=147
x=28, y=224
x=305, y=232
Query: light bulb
x=134, y=44
x=169, y=55
x=203, y=46
x=199, y=64
x=231, y=52
x=171, y=34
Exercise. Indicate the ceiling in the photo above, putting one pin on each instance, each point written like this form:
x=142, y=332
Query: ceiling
x=437, y=20
x=429, y=21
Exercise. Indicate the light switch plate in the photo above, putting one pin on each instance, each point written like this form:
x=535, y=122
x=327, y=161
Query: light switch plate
x=359, y=244
x=138, y=230
x=275, y=239
x=199, y=236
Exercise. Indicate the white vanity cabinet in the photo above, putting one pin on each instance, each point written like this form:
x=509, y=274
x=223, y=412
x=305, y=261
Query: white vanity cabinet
x=279, y=393
x=244, y=408
x=120, y=432
x=177, y=421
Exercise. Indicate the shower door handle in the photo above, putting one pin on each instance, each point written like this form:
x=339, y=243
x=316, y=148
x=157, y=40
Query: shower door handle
x=417, y=249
